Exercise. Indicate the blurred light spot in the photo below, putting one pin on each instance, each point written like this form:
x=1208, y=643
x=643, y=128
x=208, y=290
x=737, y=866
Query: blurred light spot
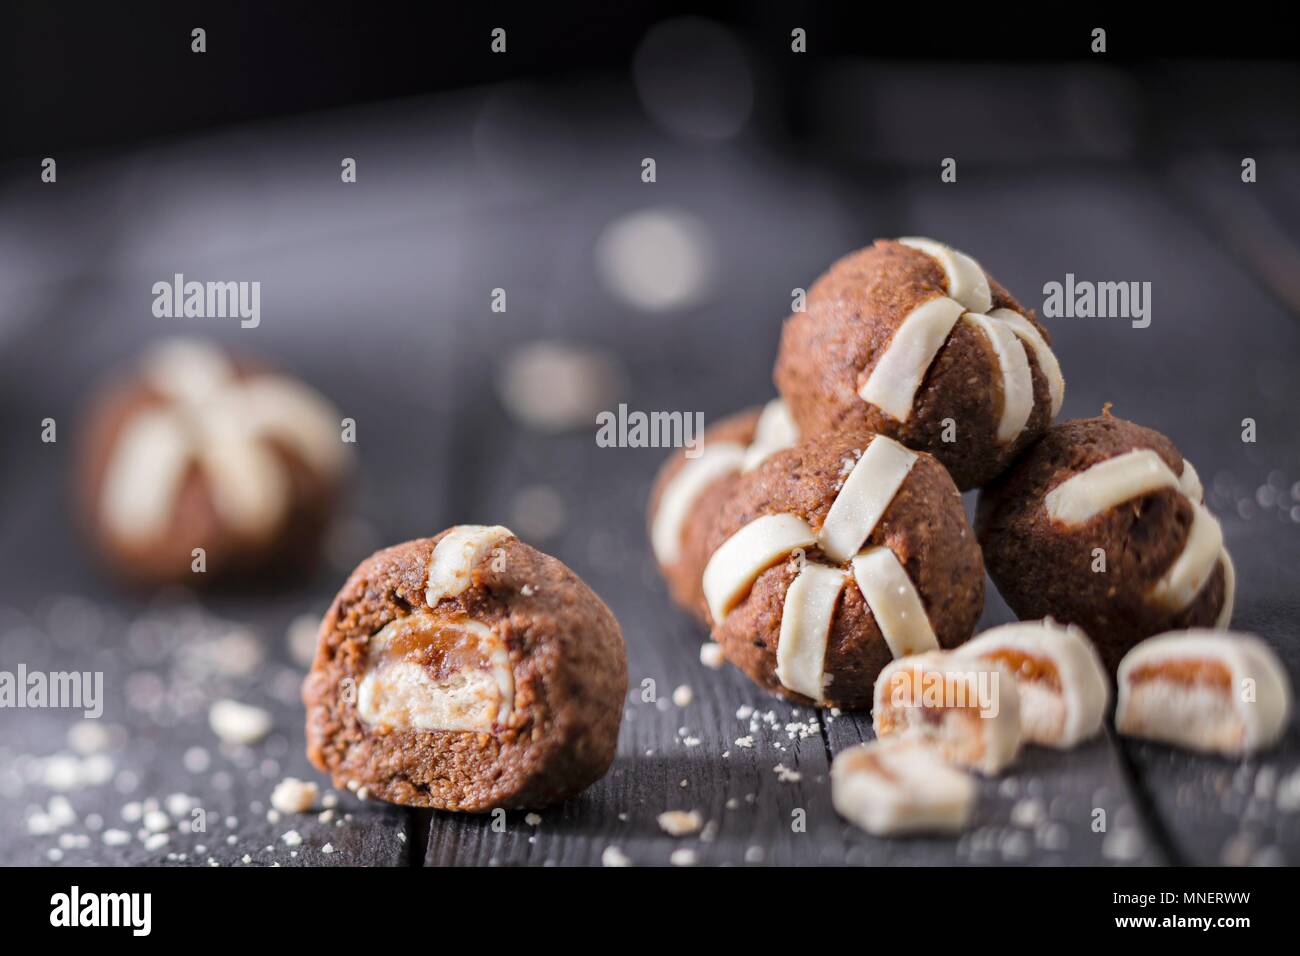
x=551, y=386
x=537, y=513
x=657, y=259
x=693, y=79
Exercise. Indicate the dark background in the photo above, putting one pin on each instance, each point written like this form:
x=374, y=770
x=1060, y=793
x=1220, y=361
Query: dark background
x=479, y=171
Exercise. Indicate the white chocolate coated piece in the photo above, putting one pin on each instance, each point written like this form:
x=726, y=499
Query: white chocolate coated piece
x=454, y=558
x=974, y=707
x=1166, y=692
x=806, y=620
x=749, y=552
x=897, y=786
x=1107, y=484
x=894, y=603
x=1047, y=362
x=1017, y=379
x=774, y=432
x=891, y=386
x=967, y=282
x=718, y=460
x=1201, y=554
x=864, y=497
x=403, y=694
x=1055, y=716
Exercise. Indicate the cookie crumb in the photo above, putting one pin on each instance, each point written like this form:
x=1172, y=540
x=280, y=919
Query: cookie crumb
x=680, y=822
x=613, y=856
x=292, y=795
x=711, y=655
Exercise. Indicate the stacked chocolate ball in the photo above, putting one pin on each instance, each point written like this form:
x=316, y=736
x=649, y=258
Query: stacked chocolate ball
x=825, y=537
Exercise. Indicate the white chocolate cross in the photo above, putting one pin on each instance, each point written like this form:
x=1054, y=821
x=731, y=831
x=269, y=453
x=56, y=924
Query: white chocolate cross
x=965, y=277
x=774, y=431
x=806, y=620
x=225, y=426
x=682, y=491
x=899, y=370
x=812, y=597
x=894, y=603
x=1133, y=474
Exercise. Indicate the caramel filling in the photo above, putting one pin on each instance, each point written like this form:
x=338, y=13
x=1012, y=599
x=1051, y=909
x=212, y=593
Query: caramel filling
x=1189, y=672
x=861, y=762
x=442, y=650
x=1028, y=667
x=432, y=671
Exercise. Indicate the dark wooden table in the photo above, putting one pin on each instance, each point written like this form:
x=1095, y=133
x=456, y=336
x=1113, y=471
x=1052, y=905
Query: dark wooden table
x=379, y=294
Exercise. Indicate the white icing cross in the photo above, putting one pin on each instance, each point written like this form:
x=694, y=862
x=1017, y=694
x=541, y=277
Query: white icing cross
x=223, y=424
x=775, y=430
x=811, y=599
x=892, y=383
x=1133, y=474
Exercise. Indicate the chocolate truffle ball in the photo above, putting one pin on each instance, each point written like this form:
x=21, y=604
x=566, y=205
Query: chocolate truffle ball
x=911, y=339
x=692, y=486
x=196, y=448
x=834, y=557
x=466, y=671
x=1102, y=524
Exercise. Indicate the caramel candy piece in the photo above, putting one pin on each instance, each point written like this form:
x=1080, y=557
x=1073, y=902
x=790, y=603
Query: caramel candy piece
x=505, y=693
x=1215, y=691
x=430, y=671
x=900, y=785
x=1064, y=690
x=968, y=708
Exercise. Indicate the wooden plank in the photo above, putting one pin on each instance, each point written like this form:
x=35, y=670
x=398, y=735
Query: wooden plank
x=392, y=316
x=79, y=791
